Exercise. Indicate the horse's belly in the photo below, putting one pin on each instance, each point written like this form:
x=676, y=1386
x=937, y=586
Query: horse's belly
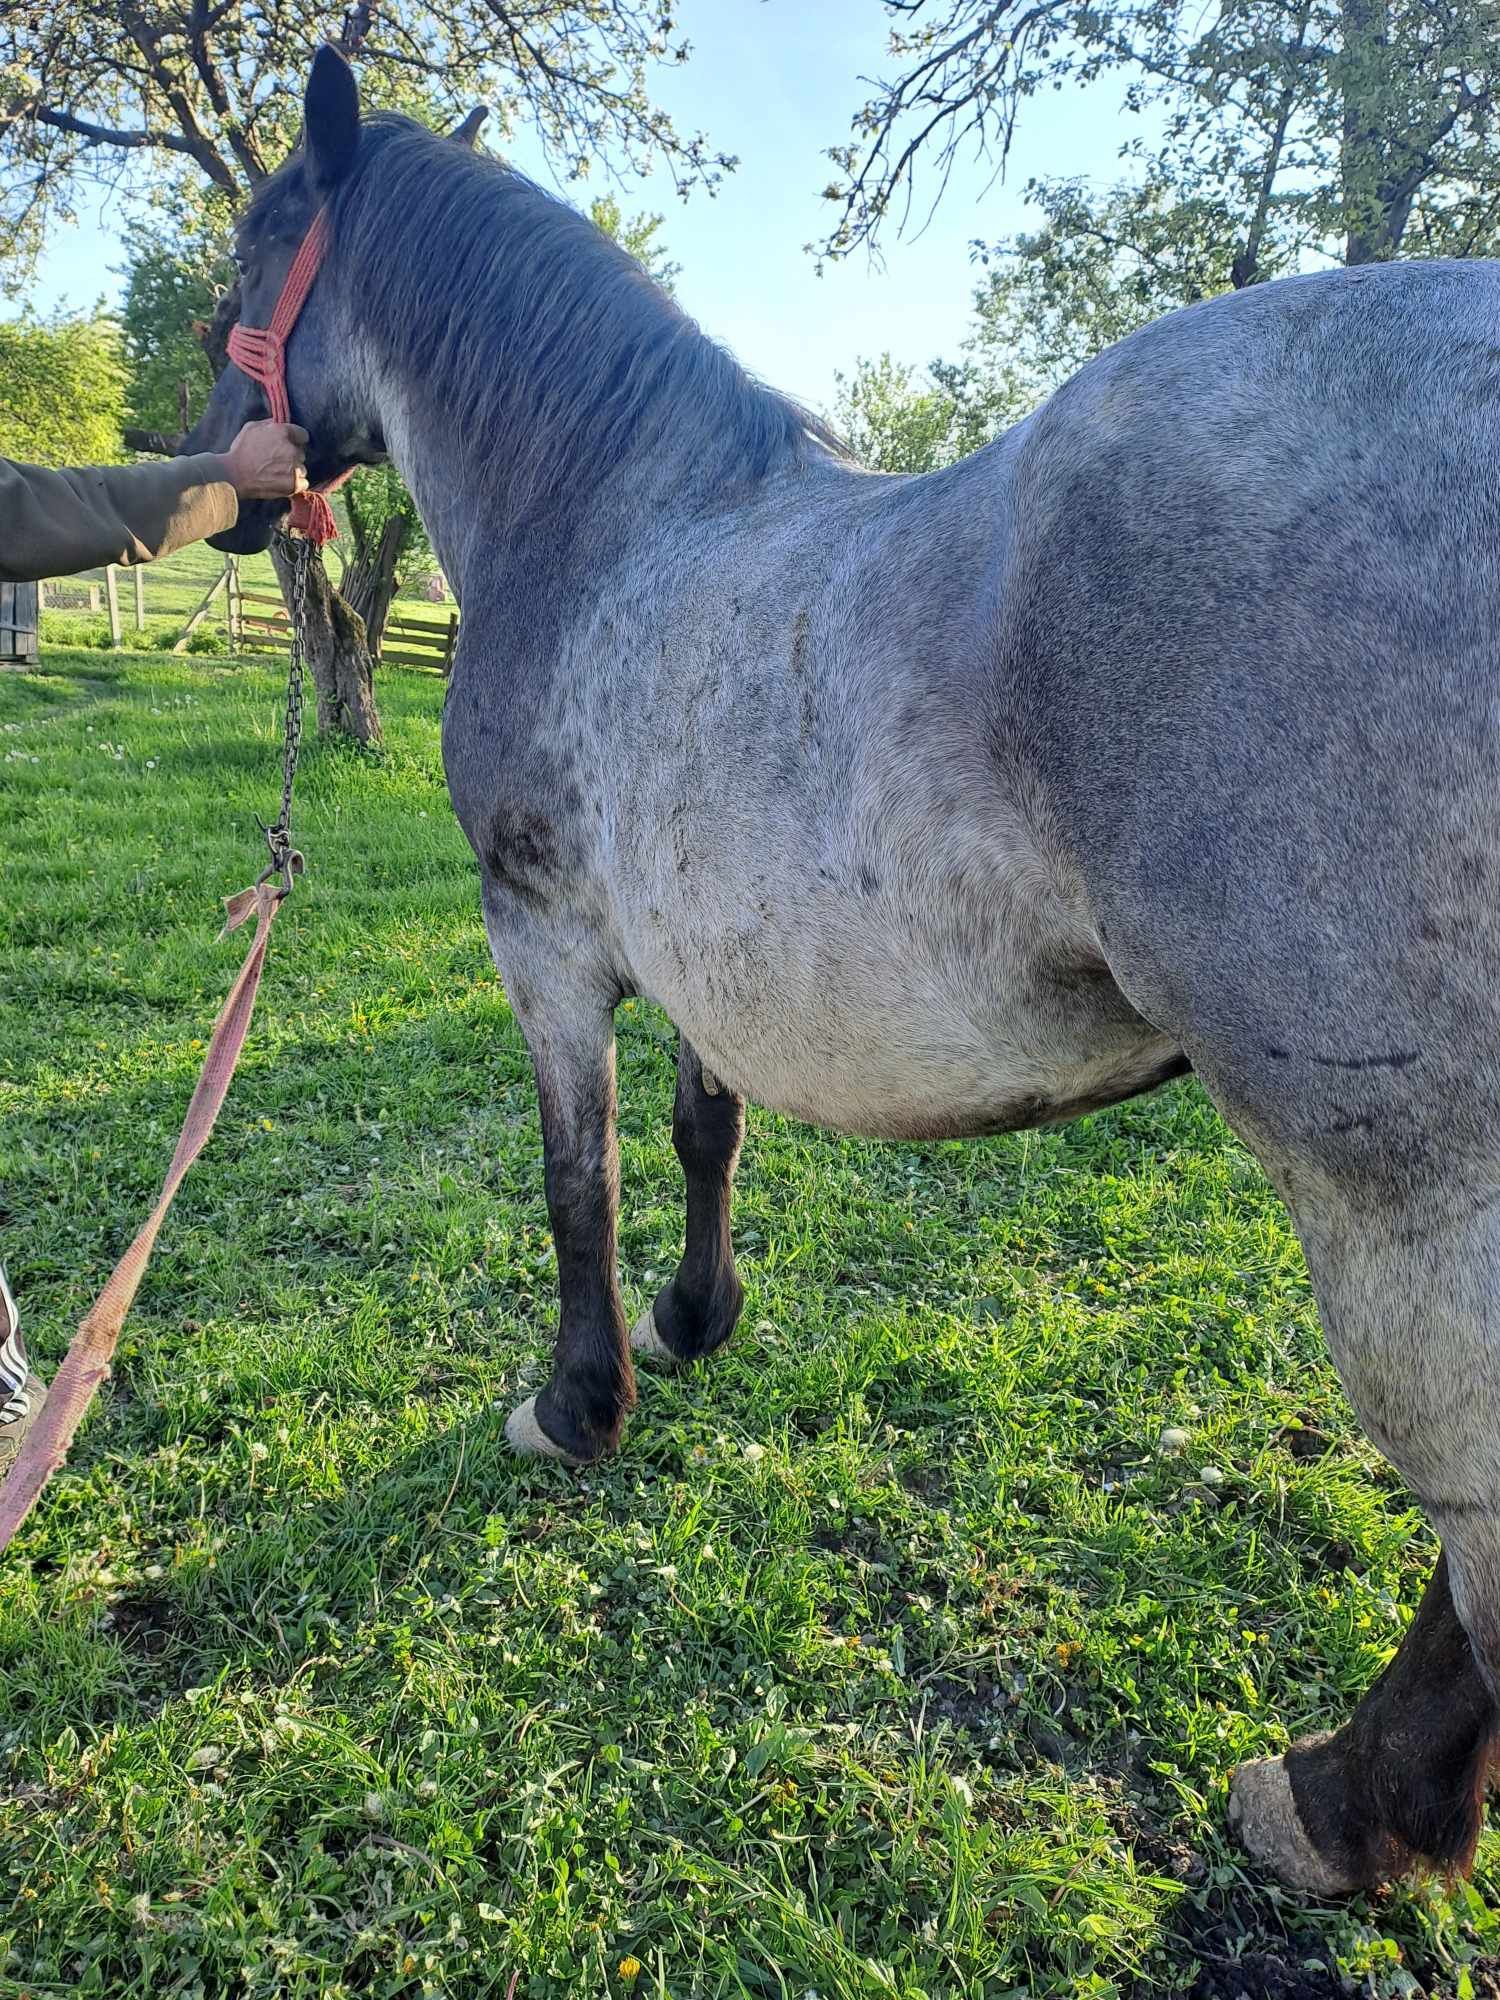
x=862, y=1039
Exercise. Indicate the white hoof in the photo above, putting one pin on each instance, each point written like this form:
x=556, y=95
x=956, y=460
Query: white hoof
x=527, y=1439
x=1264, y=1815
x=644, y=1339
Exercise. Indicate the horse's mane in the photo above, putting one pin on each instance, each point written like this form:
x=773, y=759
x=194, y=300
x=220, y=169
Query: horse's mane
x=553, y=348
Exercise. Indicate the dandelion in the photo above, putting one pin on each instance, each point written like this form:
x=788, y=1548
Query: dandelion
x=629, y=1968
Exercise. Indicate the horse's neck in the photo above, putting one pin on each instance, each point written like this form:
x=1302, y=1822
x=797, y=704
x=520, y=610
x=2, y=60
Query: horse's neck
x=452, y=481
x=586, y=464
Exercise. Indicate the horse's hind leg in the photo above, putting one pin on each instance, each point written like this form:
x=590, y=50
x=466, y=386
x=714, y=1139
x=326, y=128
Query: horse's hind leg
x=1401, y=1784
x=697, y=1311
x=1411, y=1306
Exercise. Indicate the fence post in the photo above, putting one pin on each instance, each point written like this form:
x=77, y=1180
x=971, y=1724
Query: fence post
x=139, y=574
x=111, y=591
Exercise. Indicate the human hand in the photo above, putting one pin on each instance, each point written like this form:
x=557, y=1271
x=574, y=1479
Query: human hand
x=267, y=461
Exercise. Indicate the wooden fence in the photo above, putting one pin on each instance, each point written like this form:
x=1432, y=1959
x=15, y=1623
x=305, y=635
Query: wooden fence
x=416, y=642
x=419, y=644
x=18, y=622
x=228, y=580
x=254, y=615
x=70, y=594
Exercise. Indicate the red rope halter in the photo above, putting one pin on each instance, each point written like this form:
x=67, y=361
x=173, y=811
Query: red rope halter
x=261, y=352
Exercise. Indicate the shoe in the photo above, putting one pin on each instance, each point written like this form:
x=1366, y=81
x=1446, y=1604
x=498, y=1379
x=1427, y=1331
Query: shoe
x=22, y=1393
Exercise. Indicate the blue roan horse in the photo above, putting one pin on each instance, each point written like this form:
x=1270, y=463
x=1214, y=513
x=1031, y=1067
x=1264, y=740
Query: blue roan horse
x=1160, y=733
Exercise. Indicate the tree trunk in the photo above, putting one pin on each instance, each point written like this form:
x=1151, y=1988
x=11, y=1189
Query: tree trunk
x=1362, y=66
x=336, y=651
x=370, y=582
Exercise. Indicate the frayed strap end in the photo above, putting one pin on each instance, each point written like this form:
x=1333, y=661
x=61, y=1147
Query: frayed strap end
x=238, y=909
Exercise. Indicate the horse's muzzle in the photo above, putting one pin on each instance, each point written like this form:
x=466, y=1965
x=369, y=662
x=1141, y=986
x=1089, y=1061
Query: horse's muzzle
x=251, y=533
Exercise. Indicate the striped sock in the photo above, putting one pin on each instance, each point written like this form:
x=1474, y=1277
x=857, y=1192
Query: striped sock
x=14, y=1367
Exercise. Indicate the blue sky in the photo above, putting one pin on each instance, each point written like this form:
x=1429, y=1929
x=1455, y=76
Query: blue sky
x=775, y=81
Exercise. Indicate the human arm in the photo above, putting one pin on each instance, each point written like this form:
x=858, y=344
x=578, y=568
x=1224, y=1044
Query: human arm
x=53, y=523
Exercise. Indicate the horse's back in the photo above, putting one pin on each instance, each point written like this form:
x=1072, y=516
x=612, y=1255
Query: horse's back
x=1251, y=630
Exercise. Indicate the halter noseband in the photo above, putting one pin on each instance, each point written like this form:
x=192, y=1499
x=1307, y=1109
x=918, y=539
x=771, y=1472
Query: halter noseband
x=261, y=352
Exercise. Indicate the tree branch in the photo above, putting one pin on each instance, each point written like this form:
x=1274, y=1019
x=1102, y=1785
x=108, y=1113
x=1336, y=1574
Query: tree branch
x=959, y=86
x=105, y=135
x=218, y=95
x=160, y=444
x=1247, y=263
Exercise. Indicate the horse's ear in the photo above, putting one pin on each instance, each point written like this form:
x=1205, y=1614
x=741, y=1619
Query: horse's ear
x=330, y=115
x=468, y=133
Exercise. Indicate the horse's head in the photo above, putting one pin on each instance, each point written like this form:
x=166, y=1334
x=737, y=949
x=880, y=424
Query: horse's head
x=319, y=388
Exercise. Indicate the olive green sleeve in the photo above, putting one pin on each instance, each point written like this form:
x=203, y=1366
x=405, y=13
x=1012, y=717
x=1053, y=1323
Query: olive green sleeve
x=52, y=523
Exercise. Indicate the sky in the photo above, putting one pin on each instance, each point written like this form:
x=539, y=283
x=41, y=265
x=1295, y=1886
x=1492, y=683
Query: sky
x=775, y=81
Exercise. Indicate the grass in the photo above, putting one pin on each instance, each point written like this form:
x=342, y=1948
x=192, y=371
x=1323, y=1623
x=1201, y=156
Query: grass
x=891, y=1658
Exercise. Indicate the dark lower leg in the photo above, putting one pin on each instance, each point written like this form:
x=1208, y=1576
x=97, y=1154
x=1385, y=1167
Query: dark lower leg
x=1403, y=1781
x=697, y=1311
x=593, y=1384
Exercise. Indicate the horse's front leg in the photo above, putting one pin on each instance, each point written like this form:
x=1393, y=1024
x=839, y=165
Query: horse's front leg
x=697, y=1311
x=578, y=1416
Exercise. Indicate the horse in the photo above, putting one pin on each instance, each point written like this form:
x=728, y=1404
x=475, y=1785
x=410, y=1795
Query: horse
x=1158, y=735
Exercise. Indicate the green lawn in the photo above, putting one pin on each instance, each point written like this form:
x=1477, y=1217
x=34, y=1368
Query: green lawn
x=891, y=1658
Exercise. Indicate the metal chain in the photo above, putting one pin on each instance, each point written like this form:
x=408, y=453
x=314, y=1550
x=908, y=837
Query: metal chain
x=279, y=836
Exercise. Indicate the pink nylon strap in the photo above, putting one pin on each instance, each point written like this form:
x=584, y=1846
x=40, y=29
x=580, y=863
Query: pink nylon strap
x=88, y=1359
x=261, y=352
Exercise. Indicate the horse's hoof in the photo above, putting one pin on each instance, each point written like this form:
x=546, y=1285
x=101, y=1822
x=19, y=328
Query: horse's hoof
x=645, y=1340
x=527, y=1439
x=1264, y=1816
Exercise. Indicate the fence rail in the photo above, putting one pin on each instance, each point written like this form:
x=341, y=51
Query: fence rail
x=426, y=645
x=418, y=642
x=228, y=580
